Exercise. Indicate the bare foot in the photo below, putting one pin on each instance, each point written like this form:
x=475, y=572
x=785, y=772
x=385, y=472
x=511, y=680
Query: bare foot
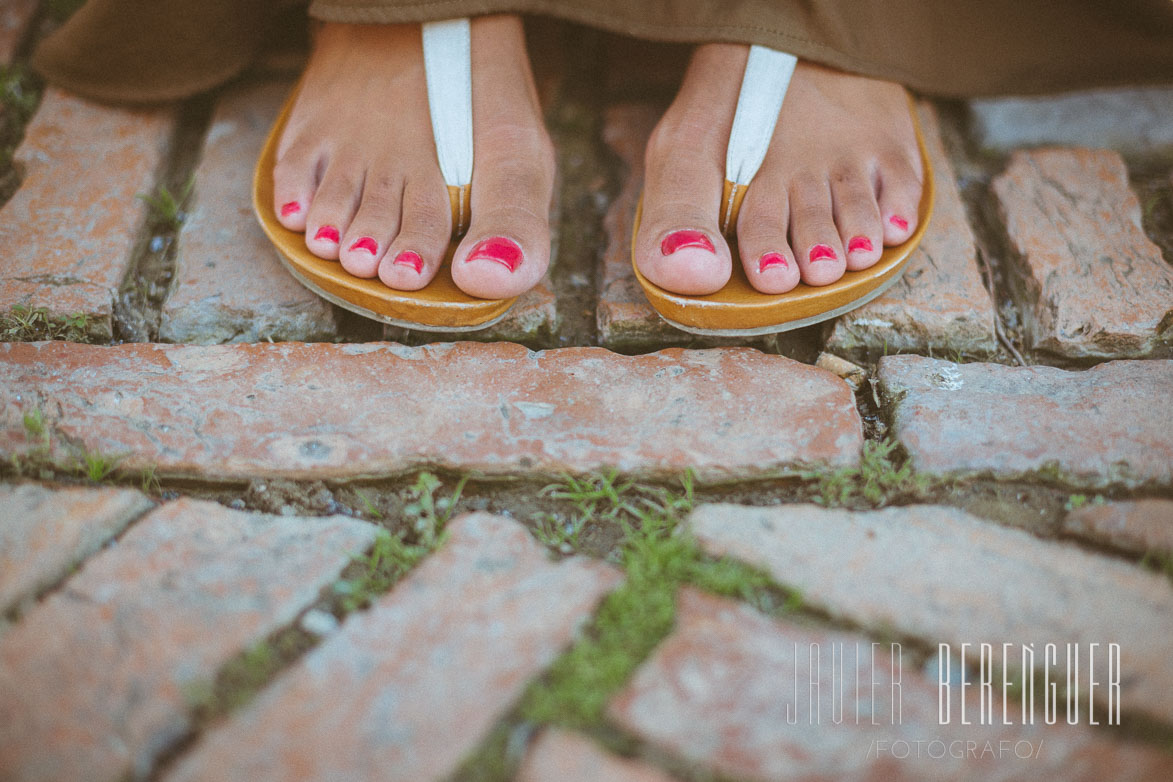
x=842, y=179
x=357, y=170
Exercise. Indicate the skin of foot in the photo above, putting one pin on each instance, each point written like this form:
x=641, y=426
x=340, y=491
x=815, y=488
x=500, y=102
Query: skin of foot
x=356, y=165
x=841, y=180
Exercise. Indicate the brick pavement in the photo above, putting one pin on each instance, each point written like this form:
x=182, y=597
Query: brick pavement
x=115, y=605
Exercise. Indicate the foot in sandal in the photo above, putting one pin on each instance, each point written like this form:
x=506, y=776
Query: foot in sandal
x=842, y=179
x=357, y=169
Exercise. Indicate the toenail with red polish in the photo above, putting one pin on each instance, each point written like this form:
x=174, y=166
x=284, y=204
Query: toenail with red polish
x=291, y=208
x=327, y=233
x=899, y=222
x=772, y=259
x=822, y=252
x=860, y=244
x=678, y=240
x=408, y=258
x=366, y=243
x=499, y=250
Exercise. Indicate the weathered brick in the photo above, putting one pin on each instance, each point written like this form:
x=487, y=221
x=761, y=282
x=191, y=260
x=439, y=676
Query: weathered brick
x=940, y=303
x=344, y=411
x=69, y=230
x=44, y=532
x=735, y=691
x=1103, y=426
x=15, y=17
x=93, y=681
x=944, y=576
x=407, y=689
x=1091, y=284
x=229, y=285
x=624, y=318
x=562, y=756
x=1140, y=526
x=1092, y=118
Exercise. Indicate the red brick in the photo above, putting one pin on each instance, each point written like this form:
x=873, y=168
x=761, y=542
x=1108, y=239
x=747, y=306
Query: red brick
x=46, y=531
x=406, y=690
x=93, y=681
x=1091, y=284
x=70, y=228
x=1103, y=426
x=1140, y=526
x=941, y=575
x=15, y=17
x=229, y=285
x=561, y=756
x=941, y=302
x=722, y=690
x=345, y=411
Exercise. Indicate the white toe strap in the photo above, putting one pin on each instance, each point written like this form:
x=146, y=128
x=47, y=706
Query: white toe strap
x=448, y=67
x=763, y=88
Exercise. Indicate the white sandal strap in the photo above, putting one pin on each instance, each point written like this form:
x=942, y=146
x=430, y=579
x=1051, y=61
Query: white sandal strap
x=448, y=69
x=767, y=75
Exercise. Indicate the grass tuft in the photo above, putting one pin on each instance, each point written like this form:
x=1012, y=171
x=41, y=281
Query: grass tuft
x=28, y=324
x=167, y=209
x=876, y=482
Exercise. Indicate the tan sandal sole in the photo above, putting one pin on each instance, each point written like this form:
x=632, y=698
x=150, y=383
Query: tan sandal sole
x=740, y=310
x=440, y=306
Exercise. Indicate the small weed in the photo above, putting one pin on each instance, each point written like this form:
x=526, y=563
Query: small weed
x=369, y=507
x=1158, y=562
x=876, y=482
x=149, y=481
x=558, y=534
x=1077, y=501
x=95, y=466
x=167, y=210
x=18, y=92
x=428, y=512
x=34, y=426
x=26, y=324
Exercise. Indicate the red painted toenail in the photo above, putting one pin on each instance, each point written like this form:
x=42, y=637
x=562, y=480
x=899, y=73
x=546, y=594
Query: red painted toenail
x=772, y=259
x=366, y=243
x=899, y=222
x=499, y=250
x=821, y=252
x=860, y=244
x=408, y=258
x=327, y=233
x=688, y=238
x=291, y=208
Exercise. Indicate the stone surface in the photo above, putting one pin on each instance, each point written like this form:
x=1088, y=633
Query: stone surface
x=69, y=231
x=15, y=16
x=944, y=576
x=562, y=756
x=407, y=689
x=93, y=681
x=1091, y=284
x=44, y=532
x=1103, y=426
x=229, y=285
x=344, y=411
x=735, y=691
x=624, y=319
x=1140, y=526
x=1133, y=121
x=941, y=303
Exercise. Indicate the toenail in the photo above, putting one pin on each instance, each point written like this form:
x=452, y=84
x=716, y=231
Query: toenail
x=408, y=258
x=497, y=249
x=291, y=208
x=366, y=243
x=822, y=252
x=688, y=238
x=772, y=259
x=860, y=244
x=899, y=222
x=327, y=233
